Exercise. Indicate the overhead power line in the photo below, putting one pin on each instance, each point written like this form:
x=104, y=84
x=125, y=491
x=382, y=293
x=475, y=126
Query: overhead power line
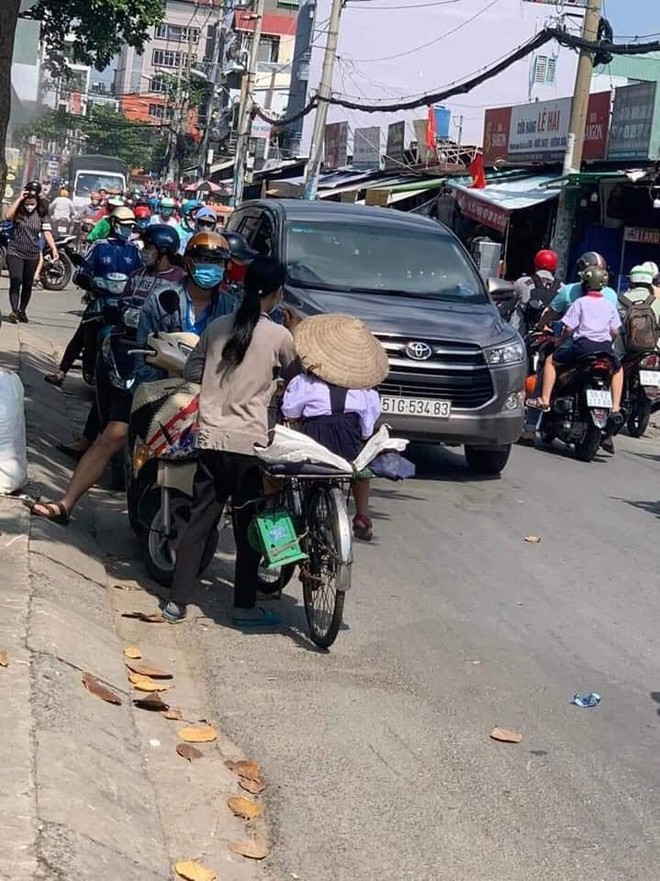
x=543, y=37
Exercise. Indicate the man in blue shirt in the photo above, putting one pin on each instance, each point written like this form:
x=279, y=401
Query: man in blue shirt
x=116, y=253
x=200, y=302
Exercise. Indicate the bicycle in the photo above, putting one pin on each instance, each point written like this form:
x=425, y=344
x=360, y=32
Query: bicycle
x=315, y=496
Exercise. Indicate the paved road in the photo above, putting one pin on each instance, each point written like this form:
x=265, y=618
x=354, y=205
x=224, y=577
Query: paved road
x=377, y=754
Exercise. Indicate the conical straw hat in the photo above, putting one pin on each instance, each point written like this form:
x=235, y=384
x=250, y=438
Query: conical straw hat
x=342, y=351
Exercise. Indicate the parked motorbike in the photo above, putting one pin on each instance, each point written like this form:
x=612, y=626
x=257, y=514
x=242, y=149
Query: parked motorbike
x=641, y=390
x=5, y=230
x=56, y=274
x=581, y=405
x=162, y=451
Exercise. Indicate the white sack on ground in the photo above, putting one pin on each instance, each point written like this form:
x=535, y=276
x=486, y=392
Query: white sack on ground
x=13, y=451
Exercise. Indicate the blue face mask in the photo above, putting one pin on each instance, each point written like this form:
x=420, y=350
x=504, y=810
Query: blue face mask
x=123, y=232
x=208, y=275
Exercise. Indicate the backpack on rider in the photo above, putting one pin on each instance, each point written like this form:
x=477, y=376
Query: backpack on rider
x=640, y=323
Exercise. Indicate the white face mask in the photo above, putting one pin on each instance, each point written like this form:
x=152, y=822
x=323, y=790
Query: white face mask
x=30, y=208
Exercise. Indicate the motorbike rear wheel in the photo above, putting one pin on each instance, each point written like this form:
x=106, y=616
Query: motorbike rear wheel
x=586, y=449
x=160, y=556
x=56, y=278
x=640, y=414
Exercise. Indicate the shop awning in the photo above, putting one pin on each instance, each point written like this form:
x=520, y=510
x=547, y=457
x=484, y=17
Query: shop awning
x=493, y=205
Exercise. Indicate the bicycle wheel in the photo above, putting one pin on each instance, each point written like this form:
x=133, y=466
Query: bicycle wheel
x=327, y=573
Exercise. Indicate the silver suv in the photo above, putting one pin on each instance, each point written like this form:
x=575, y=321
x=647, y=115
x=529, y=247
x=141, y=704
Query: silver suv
x=457, y=369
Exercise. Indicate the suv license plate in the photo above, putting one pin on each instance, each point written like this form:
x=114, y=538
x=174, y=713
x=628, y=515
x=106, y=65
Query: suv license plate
x=649, y=377
x=599, y=398
x=416, y=407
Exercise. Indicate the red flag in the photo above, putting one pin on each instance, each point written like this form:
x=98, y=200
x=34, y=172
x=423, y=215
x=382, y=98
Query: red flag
x=431, y=131
x=478, y=172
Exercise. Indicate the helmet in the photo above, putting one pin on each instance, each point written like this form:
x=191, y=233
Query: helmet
x=206, y=216
x=64, y=192
x=167, y=202
x=142, y=212
x=547, y=260
x=652, y=267
x=122, y=214
x=591, y=258
x=642, y=275
x=594, y=278
x=190, y=206
x=239, y=247
x=207, y=246
x=115, y=202
x=163, y=237
x=33, y=187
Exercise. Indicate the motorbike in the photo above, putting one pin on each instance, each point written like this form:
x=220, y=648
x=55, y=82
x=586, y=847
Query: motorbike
x=641, y=390
x=5, y=231
x=162, y=452
x=56, y=274
x=581, y=405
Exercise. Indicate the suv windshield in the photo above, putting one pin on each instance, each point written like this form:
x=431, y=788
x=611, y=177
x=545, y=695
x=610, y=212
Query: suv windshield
x=372, y=258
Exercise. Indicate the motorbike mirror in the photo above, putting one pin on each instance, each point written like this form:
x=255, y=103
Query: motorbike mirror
x=169, y=301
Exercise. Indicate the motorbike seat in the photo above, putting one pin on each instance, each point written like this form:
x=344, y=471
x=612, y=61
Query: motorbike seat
x=301, y=469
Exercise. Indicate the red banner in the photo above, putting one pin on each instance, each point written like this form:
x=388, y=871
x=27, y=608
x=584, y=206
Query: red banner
x=496, y=134
x=598, y=123
x=483, y=212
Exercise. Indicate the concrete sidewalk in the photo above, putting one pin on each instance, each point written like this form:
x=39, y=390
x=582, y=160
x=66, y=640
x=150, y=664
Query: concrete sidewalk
x=90, y=790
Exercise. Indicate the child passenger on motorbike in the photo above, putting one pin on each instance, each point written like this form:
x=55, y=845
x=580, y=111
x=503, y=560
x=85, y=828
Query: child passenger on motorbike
x=334, y=400
x=593, y=322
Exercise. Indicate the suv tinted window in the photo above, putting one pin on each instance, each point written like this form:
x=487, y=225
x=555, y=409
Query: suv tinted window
x=374, y=258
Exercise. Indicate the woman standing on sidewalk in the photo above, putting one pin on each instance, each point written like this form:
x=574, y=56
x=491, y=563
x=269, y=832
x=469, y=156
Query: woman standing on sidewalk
x=29, y=212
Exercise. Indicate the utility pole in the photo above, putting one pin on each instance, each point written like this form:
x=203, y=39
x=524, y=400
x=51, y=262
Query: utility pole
x=313, y=168
x=246, y=106
x=575, y=144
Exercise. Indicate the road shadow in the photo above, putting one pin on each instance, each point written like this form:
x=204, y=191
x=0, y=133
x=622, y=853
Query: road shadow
x=655, y=696
x=560, y=450
x=436, y=462
x=650, y=507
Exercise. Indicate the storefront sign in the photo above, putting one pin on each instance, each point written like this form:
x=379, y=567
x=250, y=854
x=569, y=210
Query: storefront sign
x=641, y=236
x=483, y=212
x=539, y=132
x=496, y=134
x=632, y=122
x=335, y=145
x=366, y=148
x=396, y=136
x=260, y=129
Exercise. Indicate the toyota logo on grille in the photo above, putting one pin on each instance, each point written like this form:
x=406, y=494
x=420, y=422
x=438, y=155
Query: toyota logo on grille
x=418, y=351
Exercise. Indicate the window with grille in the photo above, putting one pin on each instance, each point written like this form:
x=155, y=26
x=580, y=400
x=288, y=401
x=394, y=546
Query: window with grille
x=177, y=33
x=158, y=84
x=166, y=58
x=545, y=70
x=160, y=111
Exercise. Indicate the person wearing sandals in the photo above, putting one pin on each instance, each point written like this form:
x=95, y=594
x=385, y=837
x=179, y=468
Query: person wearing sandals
x=29, y=213
x=238, y=360
x=334, y=401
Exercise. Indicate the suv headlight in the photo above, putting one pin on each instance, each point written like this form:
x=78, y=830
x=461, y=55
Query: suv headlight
x=511, y=353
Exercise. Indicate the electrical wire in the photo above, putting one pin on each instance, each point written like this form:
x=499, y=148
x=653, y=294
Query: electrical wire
x=434, y=41
x=366, y=4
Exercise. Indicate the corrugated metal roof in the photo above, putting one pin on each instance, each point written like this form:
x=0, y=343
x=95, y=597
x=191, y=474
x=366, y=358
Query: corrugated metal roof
x=513, y=194
x=635, y=67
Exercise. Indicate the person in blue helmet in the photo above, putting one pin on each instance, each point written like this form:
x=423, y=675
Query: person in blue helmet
x=206, y=220
x=186, y=228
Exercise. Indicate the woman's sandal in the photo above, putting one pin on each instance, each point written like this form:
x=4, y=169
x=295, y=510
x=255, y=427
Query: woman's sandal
x=363, y=528
x=57, y=513
x=537, y=404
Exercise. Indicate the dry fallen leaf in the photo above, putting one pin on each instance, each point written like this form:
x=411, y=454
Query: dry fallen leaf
x=144, y=683
x=142, y=616
x=255, y=787
x=193, y=871
x=4, y=658
x=251, y=770
x=145, y=668
x=175, y=714
x=198, y=734
x=186, y=751
x=254, y=850
x=154, y=702
x=99, y=690
x=533, y=539
x=126, y=587
x=506, y=736
x=244, y=807
x=133, y=652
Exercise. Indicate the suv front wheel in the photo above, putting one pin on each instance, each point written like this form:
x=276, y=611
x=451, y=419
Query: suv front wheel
x=487, y=460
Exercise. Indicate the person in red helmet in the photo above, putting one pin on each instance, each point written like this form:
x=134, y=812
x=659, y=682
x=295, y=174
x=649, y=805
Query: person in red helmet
x=541, y=285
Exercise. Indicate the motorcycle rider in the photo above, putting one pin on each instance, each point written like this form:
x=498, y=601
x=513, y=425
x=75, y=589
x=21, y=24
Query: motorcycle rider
x=142, y=216
x=186, y=227
x=61, y=208
x=206, y=219
x=241, y=256
x=593, y=322
x=101, y=229
x=114, y=254
x=165, y=212
x=201, y=301
x=162, y=265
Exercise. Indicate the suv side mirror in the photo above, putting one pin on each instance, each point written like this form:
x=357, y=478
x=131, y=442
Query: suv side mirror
x=499, y=286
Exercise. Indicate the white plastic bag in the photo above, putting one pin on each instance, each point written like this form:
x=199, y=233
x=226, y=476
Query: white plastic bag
x=13, y=451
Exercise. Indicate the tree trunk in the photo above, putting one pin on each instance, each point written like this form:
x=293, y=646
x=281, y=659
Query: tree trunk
x=9, y=19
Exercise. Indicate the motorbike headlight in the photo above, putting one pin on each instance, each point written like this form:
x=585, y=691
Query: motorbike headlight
x=132, y=317
x=512, y=353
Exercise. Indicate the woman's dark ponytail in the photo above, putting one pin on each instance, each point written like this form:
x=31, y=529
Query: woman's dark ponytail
x=264, y=276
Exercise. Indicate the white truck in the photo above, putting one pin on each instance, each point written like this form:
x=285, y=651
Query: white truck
x=90, y=173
